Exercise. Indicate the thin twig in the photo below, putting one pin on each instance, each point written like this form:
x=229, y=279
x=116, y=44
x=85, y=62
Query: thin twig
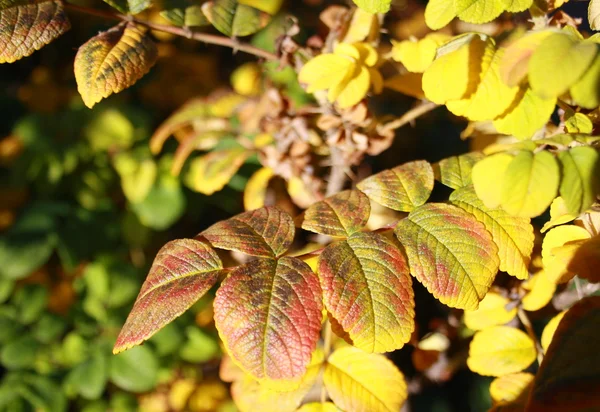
x=178, y=31
x=409, y=116
x=527, y=323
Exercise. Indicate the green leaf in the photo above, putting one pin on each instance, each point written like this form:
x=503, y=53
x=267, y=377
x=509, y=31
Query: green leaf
x=88, y=379
x=211, y=172
x=112, y=61
x=578, y=123
x=580, y=183
x=449, y=252
x=402, y=188
x=586, y=91
x=438, y=13
x=49, y=327
x=31, y=301
x=28, y=26
x=6, y=288
x=130, y=6
x=374, y=6
x=340, y=215
x=182, y=13
x=138, y=173
x=135, y=370
x=182, y=272
x=479, y=11
x=530, y=184
x=368, y=291
x=200, y=347
x=20, y=353
x=455, y=171
x=266, y=232
x=234, y=19
x=513, y=235
x=268, y=314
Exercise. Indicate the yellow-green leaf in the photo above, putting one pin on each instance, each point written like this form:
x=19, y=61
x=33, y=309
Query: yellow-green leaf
x=455, y=171
x=594, y=14
x=268, y=6
x=27, y=26
x=449, y=252
x=112, y=61
x=439, y=13
x=340, y=215
x=510, y=388
x=246, y=79
x=129, y=6
x=210, y=173
x=488, y=178
x=479, y=11
x=579, y=123
x=362, y=382
x=558, y=248
x=540, y=292
x=319, y=407
x=402, y=188
x=530, y=184
x=586, y=91
x=415, y=55
x=559, y=214
x=268, y=314
x=492, y=311
x=581, y=178
x=234, y=19
x=368, y=291
x=550, y=329
x=256, y=188
x=515, y=61
x=184, y=13
x=374, y=6
x=516, y=6
x=513, y=235
x=552, y=52
x=528, y=114
x=500, y=350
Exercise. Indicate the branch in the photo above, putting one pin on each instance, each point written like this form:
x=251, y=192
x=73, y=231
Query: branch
x=178, y=31
x=409, y=116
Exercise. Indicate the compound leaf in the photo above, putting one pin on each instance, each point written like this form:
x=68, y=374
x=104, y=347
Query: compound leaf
x=368, y=291
x=340, y=215
x=268, y=314
x=455, y=171
x=182, y=272
x=359, y=381
x=581, y=182
x=266, y=232
x=402, y=188
x=112, y=61
x=449, y=252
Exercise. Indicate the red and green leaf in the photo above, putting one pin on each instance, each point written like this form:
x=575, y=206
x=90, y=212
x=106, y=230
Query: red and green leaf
x=182, y=272
x=268, y=314
x=450, y=252
x=340, y=215
x=368, y=292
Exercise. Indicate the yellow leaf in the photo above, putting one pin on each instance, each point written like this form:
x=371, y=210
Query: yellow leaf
x=559, y=214
x=530, y=184
x=509, y=388
x=360, y=381
x=435, y=341
x=246, y=79
x=500, y=350
x=586, y=91
x=492, y=96
x=300, y=192
x=515, y=62
x=112, y=61
x=268, y=6
x=415, y=55
x=492, y=311
x=540, y=292
x=325, y=71
x=549, y=330
x=363, y=26
x=439, y=13
x=594, y=14
x=318, y=407
x=374, y=6
x=210, y=173
x=256, y=188
x=479, y=11
x=526, y=116
x=354, y=90
x=455, y=74
x=558, y=250
x=579, y=123
x=407, y=83
x=548, y=75
x=488, y=177
x=515, y=6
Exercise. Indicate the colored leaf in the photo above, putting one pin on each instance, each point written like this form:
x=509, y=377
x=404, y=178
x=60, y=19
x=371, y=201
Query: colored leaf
x=438, y=13
x=515, y=6
x=488, y=177
x=184, y=13
x=594, y=14
x=515, y=61
x=210, y=173
x=569, y=376
x=415, y=55
x=359, y=381
x=112, y=61
x=586, y=91
x=268, y=314
x=500, y=350
x=558, y=249
x=246, y=79
x=479, y=11
x=530, y=184
x=449, y=252
x=234, y=19
x=540, y=292
x=256, y=188
x=363, y=26
x=586, y=260
x=374, y=6
x=265, y=232
x=340, y=215
x=509, y=388
x=550, y=329
x=129, y=6
x=513, y=235
x=319, y=407
x=492, y=96
x=27, y=26
x=492, y=311
x=578, y=123
x=528, y=114
x=368, y=291
x=455, y=171
x=182, y=272
x=581, y=182
x=407, y=83
x=402, y=188
x=559, y=214
x=552, y=52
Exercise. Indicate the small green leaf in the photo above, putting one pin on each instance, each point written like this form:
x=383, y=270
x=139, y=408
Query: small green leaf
x=374, y=6
x=130, y=6
x=20, y=353
x=182, y=13
x=340, y=215
x=89, y=378
x=455, y=171
x=135, y=370
x=581, y=178
x=200, y=347
x=234, y=19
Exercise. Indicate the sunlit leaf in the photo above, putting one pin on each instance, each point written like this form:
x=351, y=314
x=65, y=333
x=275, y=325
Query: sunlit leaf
x=550, y=329
x=112, y=61
x=363, y=382
x=234, y=19
x=449, y=252
x=27, y=26
x=509, y=388
x=500, y=350
x=374, y=6
x=182, y=272
x=184, y=13
x=492, y=311
x=129, y=6
x=439, y=13
x=340, y=215
x=266, y=232
x=540, y=292
x=210, y=173
x=319, y=407
x=402, y=188
x=559, y=214
x=455, y=171
x=406, y=83
x=488, y=178
x=479, y=11
x=515, y=61
x=581, y=178
x=558, y=249
x=513, y=235
x=256, y=188
x=362, y=26
x=268, y=314
x=368, y=291
x=515, y=6
x=570, y=373
x=415, y=55
x=586, y=91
